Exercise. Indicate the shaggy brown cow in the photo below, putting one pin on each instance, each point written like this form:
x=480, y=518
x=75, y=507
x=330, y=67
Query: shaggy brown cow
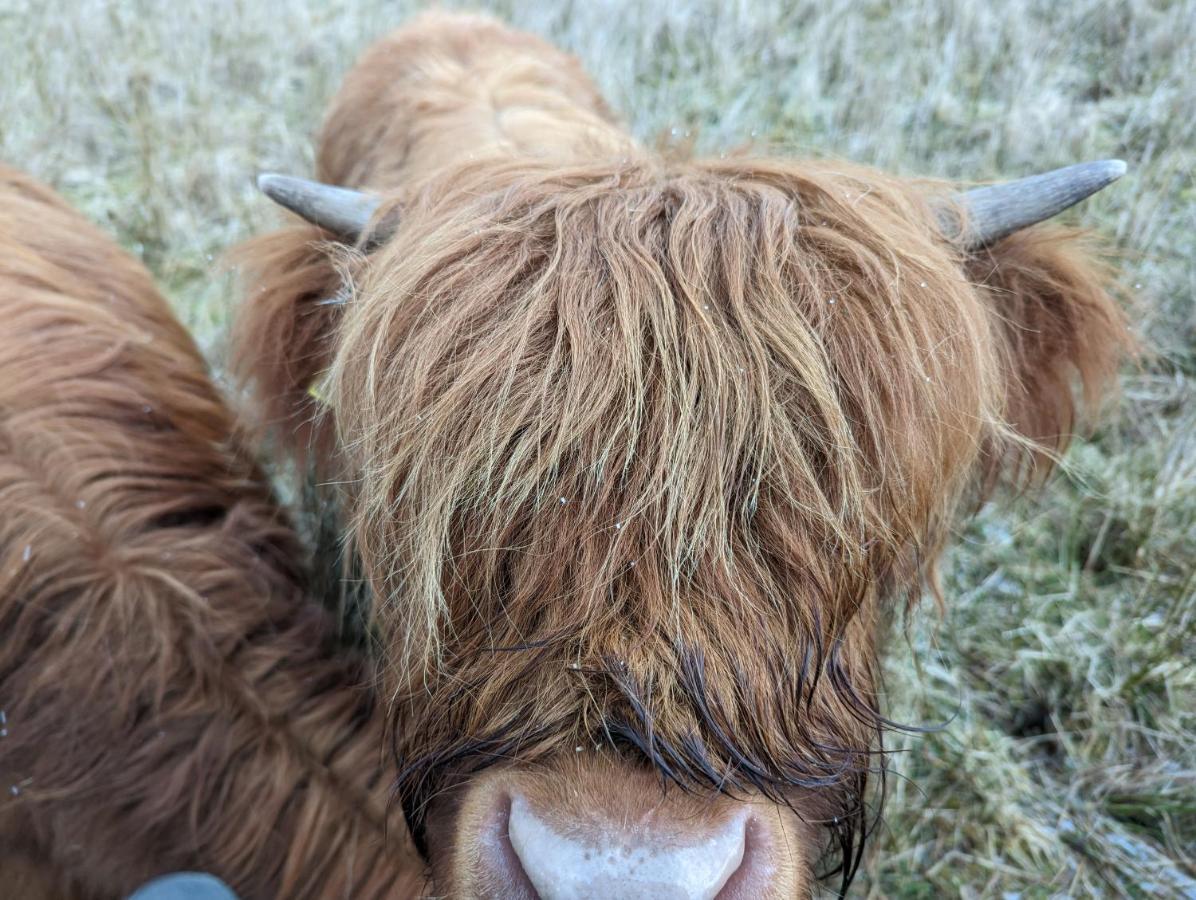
x=639, y=453
x=169, y=697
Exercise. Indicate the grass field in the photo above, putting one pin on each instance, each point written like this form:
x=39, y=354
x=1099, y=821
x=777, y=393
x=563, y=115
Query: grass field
x=1062, y=673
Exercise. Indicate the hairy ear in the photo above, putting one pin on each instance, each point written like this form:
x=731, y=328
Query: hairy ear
x=1062, y=334
x=282, y=337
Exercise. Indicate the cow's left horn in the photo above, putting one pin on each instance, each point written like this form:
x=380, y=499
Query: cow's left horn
x=1001, y=209
x=342, y=211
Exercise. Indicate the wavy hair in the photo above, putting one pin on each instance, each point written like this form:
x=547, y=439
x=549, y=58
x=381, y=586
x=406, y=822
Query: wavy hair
x=640, y=452
x=170, y=697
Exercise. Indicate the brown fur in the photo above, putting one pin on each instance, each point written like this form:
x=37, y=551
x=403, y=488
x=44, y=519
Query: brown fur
x=639, y=452
x=172, y=699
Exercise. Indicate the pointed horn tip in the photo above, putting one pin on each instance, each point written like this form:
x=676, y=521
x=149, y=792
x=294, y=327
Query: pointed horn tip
x=1105, y=170
x=1115, y=168
x=269, y=183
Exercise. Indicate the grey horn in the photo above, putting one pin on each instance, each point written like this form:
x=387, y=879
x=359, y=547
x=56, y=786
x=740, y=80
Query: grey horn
x=342, y=211
x=1001, y=209
x=992, y=212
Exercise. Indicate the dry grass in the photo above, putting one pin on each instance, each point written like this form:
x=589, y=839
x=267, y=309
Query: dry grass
x=1062, y=674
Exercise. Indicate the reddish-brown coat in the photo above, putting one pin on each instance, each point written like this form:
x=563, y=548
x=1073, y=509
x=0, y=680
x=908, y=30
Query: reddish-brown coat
x=639, y=452
x=172, y=697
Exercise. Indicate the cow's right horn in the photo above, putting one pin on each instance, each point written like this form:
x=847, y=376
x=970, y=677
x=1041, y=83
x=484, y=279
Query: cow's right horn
x=997, y=210
x=343, y=211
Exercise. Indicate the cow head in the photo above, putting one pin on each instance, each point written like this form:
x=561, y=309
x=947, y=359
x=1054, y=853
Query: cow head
x=637, y=455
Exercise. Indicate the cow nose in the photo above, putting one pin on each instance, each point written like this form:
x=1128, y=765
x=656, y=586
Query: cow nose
x=625, y=860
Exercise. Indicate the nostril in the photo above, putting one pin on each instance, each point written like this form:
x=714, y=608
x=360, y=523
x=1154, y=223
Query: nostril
x=607, y=860
x=498, y=873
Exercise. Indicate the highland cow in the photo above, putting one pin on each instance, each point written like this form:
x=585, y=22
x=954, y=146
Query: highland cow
x=170, y=698
x=637, y=455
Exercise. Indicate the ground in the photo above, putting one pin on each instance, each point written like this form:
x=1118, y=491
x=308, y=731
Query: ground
x=1058, y=682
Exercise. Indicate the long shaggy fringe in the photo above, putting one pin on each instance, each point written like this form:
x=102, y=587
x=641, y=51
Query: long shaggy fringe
x=641, y=451
x=170, y=697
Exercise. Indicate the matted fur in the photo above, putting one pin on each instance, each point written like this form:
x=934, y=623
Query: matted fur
x=171, y=698
x=640, y=451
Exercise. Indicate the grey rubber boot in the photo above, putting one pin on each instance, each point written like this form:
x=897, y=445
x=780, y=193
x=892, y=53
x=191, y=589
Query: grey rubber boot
x=184, y=886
